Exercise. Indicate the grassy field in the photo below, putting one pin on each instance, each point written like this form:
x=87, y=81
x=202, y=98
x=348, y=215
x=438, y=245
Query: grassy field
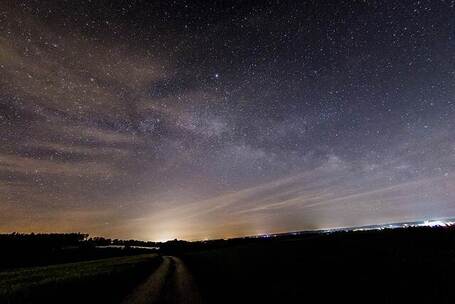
x=397, y=266
x=105, y=280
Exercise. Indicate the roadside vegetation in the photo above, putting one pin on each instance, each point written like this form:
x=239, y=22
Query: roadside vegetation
x=102, y=281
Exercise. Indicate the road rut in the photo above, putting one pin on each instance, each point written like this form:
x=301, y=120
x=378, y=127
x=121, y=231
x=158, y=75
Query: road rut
x=170, y=283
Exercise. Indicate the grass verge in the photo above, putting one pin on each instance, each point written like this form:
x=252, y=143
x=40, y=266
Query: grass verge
x=106, y=280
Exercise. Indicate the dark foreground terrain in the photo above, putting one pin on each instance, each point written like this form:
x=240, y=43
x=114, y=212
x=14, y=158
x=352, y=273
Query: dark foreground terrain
x=97, y=281
x=389, y=266
x=386, y=266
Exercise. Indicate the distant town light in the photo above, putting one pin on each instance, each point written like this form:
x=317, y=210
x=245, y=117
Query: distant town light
x=435, y=224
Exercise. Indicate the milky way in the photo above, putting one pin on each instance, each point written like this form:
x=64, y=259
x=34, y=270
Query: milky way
x=207, y=119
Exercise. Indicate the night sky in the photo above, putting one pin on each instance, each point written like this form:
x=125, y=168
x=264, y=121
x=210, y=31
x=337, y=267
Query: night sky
x=215, y=119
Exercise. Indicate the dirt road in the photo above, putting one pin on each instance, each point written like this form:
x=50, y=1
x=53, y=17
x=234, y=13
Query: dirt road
x=170, y=283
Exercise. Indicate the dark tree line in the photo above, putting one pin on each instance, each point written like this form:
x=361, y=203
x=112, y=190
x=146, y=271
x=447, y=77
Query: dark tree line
x=49, y=240
x=61, y=240
x=37, y=249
